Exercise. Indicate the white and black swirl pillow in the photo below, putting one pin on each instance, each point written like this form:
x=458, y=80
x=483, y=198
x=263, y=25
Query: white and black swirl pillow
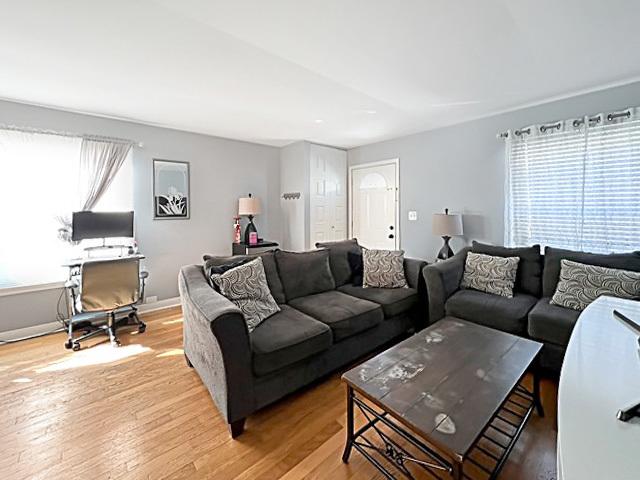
x=383, y=269
x=490, y=274
x=580, y=284
x=246, y=286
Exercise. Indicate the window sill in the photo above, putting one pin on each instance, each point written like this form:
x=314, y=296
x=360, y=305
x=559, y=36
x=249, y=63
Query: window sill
x=4, y=292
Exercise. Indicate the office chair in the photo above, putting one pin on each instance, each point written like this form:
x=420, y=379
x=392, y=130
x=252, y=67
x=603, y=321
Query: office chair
x=103, y=295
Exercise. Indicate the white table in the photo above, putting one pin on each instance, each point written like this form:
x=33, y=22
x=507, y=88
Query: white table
x=600, y=375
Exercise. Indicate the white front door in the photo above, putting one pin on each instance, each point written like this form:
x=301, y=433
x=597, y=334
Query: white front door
x=374, y=205
x=328, y=199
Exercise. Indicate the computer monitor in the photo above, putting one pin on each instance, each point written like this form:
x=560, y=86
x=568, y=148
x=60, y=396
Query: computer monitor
x=86, y=225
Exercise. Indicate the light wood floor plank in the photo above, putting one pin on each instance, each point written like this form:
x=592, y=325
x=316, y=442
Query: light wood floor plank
x=140, y=413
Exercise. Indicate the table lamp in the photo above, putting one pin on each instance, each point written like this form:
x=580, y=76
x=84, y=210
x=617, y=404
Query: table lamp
x=446, y=225
x=248, y=207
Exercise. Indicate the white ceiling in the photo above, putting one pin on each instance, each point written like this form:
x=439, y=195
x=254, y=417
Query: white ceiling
x=276, y=71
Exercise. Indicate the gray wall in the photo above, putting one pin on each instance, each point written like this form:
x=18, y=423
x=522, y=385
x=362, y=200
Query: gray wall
x=221, y=171
x=459, y=167
x=462, y=168
x=294, y=177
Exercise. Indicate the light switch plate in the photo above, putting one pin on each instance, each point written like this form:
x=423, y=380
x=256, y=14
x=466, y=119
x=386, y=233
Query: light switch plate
x=413, y=215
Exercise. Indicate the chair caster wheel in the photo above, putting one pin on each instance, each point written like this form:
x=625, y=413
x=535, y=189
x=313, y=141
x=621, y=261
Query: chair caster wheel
x=76, y=346
x=68, y=344
x=142, y=328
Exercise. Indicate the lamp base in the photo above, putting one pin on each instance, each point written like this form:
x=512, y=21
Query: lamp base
x=445, y=252
x=250, y=228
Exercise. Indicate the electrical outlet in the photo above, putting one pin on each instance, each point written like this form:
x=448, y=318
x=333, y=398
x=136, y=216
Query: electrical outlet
x=413, y=216
x=151, y=299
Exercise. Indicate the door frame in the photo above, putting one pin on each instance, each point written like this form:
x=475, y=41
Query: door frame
x=391, y=161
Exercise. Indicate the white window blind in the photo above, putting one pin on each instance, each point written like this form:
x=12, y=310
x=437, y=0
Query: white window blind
x=577, y=188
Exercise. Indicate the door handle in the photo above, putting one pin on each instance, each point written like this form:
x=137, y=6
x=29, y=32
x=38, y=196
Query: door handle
x=391, y=235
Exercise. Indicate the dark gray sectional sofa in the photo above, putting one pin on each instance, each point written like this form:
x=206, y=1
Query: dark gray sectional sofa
x=325, y=323
x=529, y=312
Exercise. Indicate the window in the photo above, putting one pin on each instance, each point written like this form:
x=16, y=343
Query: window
x=39, y=179
x=576, y=187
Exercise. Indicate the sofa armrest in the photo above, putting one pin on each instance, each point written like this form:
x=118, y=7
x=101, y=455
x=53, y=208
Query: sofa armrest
x=442, y=280
x=412, y=269
x=217, y=344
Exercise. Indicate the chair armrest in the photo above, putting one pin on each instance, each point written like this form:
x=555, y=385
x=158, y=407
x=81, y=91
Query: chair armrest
x=216, y=342
x=442, y=280
x=412, y=269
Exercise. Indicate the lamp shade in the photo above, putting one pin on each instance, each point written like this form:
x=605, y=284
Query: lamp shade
x=447, y=225
x=248, y=206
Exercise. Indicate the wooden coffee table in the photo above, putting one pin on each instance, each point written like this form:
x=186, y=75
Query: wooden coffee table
x=448, y=402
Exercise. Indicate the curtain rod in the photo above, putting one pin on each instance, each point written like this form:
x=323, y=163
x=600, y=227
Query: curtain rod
x=42, y=131
x=576, y=123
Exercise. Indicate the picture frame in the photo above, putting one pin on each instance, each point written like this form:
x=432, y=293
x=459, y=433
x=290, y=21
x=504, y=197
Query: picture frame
x=171, y=190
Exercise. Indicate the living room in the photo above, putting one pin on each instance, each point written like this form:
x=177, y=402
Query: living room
x=181, y=294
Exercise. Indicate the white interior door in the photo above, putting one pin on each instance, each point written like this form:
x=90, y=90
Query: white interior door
x=374, y=205
x=328, y=199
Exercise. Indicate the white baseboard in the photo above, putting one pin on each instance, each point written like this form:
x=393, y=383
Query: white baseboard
x=51, y=326
x=29, y=331
x=159, y=305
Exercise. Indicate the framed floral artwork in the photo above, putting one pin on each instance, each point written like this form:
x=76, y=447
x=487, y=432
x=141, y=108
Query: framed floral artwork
x=170, y=189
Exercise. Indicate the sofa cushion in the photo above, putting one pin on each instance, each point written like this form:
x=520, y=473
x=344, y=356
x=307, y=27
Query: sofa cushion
x=286, y=338
x=246, y=286
x=553, y=256
x=490, y=274
x=529, y=276
x=383, y=268
x=581, y=284
x=346, y=315
x=212, y=270
x=304, y=273
x=394, y=301
x=268, y=262
x=357, y=267
x=502, y=313
x=551, y=323
x=339, y=259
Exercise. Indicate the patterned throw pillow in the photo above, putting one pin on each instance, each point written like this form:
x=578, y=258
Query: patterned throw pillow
x=383, y=269
x=490, y=274
x=212, y=271
x=246, y=286
x=581, y=284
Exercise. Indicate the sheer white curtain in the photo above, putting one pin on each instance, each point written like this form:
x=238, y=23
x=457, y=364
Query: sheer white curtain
x=44, y=179
x=611, y=217
x=100, y=161
x=39, y=177
x=575, y=184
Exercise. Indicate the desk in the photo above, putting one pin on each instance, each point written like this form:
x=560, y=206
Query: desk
x=600, y=374
x=78, y=262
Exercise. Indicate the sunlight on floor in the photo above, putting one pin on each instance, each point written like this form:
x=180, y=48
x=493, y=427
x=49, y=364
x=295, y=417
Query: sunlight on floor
x=172, y=322
x=97, y=355
x=22, y=380
x=171, y=353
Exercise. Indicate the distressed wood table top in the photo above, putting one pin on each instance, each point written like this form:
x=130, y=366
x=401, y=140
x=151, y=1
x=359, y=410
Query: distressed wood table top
x=446, y=382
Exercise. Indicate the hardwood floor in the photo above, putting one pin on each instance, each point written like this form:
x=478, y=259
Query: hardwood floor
x=138, y=412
